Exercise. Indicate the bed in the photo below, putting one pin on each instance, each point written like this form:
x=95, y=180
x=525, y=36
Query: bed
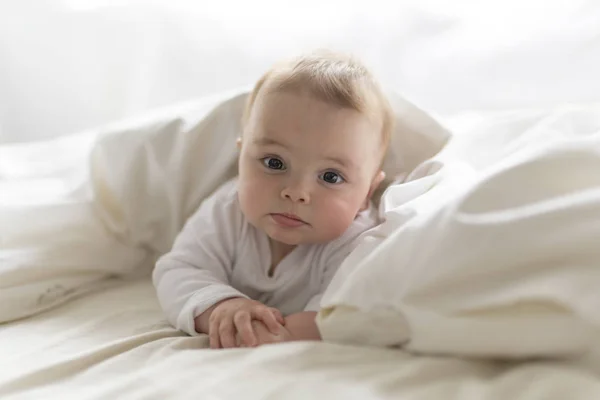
x=79, y=230
x=116, y=344
x=106, y=336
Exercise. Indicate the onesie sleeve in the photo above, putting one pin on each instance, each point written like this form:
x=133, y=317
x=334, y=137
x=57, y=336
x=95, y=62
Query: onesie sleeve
x=194, y=275
x=336, y=252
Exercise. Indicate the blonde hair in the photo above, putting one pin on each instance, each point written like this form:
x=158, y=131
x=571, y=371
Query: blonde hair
x=333, y=78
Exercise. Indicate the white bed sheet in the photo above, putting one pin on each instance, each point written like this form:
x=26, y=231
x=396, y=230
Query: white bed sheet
x=116, y=344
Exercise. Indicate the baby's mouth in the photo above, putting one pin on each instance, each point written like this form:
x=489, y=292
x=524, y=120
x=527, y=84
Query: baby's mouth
x=288, y=220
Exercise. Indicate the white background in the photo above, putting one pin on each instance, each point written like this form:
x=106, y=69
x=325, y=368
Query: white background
x=69, y=65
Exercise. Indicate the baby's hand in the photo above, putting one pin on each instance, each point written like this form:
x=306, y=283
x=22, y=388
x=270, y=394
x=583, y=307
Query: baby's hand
x=234, y=317
x=265, y=336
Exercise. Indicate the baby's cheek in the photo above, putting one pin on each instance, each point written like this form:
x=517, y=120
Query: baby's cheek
x=251, y=197
x=337, y=216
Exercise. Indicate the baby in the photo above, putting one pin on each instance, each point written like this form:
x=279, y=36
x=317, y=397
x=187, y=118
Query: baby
x=250, y=266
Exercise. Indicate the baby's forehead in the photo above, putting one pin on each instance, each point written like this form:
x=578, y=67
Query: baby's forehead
x=345, y=140
x=277, y=108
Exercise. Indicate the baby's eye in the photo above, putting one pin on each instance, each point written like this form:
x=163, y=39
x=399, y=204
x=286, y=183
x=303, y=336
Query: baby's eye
x=332, y=177
x=273, y=163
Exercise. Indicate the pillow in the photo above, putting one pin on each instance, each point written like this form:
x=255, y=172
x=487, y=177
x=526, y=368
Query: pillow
x=140, y=181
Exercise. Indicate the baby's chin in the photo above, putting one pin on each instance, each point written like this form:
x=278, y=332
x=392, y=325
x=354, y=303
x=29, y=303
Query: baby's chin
x=296, y=239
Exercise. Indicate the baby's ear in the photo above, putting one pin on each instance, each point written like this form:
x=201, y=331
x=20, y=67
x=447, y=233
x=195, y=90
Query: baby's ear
x=379, y=177
x=238, y=142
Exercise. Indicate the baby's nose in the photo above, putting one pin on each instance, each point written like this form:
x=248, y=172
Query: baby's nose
x=299, y=198
x=296, y=195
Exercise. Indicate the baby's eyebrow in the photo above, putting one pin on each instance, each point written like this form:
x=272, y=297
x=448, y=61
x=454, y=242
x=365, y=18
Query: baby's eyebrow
x=263, y=141
x=341, y=161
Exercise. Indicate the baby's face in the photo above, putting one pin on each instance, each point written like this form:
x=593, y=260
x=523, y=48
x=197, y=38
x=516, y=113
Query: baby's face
x=306, y=167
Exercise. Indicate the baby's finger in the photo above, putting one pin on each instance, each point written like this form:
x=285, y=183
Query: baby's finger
x=243, y=325
x=278, y=316
x=266, y=316
x=213, y=338
x=227, y=334
x=214, y=341
x=213, y=334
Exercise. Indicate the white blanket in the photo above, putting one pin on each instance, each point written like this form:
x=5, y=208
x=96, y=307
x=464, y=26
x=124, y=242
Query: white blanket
x=77, y=210
x=490, y=249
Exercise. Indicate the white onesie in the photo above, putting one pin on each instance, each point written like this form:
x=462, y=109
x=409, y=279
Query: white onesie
x=219, y=254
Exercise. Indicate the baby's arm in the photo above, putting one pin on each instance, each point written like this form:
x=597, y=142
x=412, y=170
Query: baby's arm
x=299, y=326
x=302, y=326
x=193, y=276
x=192, y=280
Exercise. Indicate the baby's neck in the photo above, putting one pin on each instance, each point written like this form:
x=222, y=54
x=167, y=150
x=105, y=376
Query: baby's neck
x=278, y=252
